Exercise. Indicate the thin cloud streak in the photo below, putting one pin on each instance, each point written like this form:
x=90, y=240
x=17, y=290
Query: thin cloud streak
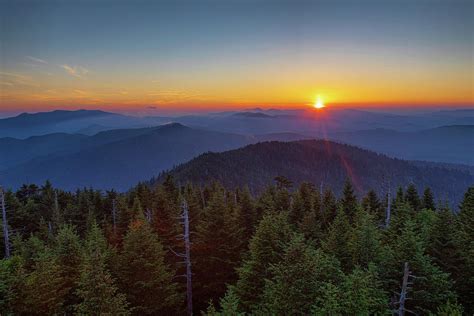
x=38, y=60
x=76, y=71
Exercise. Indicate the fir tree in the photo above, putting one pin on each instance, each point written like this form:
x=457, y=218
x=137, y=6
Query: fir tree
x=443, y=246
x=248, y=213
x=365, y=242
x=412, y=198
x=428, y=200
x=43, y=291
x=328, y=210
x=96, y=287
x=142, y=273
x=265, y=248
x=372, y=205
x=466, y=242
x=432, y=286
x=337, y=241
x=217, y=249
x=68, y=252
x=297, y=280
x=359, y=293
x=349, y=201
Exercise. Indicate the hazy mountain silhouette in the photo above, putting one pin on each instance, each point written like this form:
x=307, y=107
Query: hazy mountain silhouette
x=60, y=121
x=454, y=144
x=112, y=159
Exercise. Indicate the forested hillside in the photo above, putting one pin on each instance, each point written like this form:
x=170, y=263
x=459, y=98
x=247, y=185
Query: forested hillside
x=323, y=163
x=286, y=251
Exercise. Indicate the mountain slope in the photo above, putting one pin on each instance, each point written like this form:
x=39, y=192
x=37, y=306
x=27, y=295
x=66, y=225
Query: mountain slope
x=319, y=161
x=19, y=151
x=454, y=144
x=121, y=163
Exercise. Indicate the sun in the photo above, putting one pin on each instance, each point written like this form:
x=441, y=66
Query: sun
x=319, y=104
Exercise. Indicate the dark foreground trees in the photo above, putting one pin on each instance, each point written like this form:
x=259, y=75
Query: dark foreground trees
x=283, y=252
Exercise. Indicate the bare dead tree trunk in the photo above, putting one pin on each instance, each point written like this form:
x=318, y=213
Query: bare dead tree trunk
x=56, y=203
x=148, y=215
x=5, y=224
x=403, y=293
x=187, y=245
x=406, y=283
x=203, y=200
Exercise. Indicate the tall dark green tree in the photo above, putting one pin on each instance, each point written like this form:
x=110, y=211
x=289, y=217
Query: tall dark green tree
x=143, y=275
x=348, y=201
x=413, y=198
x=265, y=248
x=217, y=247
x=67, y=249
x=298, y=279
x=428, y=200
x=96, y=288
x=466, y=242
x=337, y=241
x=372, y=205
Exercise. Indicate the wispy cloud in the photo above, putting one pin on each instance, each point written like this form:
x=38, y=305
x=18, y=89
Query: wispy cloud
x=170, y=96
x=81, y=92
x=14, y=79
x=36, y=60
x=76, y=71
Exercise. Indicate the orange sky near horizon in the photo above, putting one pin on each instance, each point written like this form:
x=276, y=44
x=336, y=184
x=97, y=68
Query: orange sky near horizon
x=47, y=88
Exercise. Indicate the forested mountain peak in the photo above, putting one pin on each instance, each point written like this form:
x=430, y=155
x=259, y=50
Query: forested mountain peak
x=319, y=161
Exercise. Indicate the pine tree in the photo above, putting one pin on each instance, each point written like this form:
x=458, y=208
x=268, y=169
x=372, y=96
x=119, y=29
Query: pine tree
x=359, y=293
x=218, y=244
x=229, y=306
x=68, y=251
x=127, y=214
x=349, y=201
x=12, y=279
x=412, y=198
x=337, y=241
x=443, y=246
x=297, y=280
x=43, y=291
x=142, y=273
x=328, y=210
x=372, y=205
x=432, y=287
x=365, y=242
x=466, y=242
x=96, y=290
x=428, y=200
x=247, y=212
x=265, y=248
x=304, y=201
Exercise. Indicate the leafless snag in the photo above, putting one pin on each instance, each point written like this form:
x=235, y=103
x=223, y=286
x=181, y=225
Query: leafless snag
x=5, y=224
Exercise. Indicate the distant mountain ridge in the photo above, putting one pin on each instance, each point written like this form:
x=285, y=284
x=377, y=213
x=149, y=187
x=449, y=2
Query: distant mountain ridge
x=112, y=159
x=450, y=144
x=61, y=121
x=319, y=162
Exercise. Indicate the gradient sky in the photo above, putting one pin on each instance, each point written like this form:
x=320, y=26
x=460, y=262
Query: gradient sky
x=229, y=54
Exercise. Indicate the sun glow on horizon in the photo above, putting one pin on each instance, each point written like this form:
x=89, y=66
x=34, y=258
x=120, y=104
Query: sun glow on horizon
x=319, y=104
